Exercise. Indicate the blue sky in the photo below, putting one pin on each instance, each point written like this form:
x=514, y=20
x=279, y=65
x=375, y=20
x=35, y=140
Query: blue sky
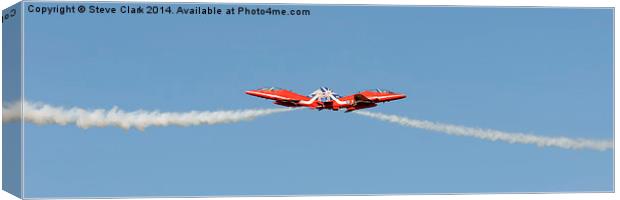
x=546, y=71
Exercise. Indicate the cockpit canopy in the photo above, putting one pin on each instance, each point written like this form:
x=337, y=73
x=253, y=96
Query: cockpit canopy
x=270, y=88
x=381, y=91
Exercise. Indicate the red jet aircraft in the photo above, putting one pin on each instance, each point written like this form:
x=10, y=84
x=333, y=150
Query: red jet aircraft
x=324, y=98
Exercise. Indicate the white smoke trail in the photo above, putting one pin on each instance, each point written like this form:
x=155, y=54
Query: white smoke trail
x=494, y=135
x=41, y=114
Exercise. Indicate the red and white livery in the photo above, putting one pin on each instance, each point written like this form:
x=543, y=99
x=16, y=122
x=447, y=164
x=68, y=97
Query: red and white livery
x=324, y=98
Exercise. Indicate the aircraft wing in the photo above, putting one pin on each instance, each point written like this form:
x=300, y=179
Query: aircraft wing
x=379, y=95
x=360, y=98
x=277, y=94
x=369, y=97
